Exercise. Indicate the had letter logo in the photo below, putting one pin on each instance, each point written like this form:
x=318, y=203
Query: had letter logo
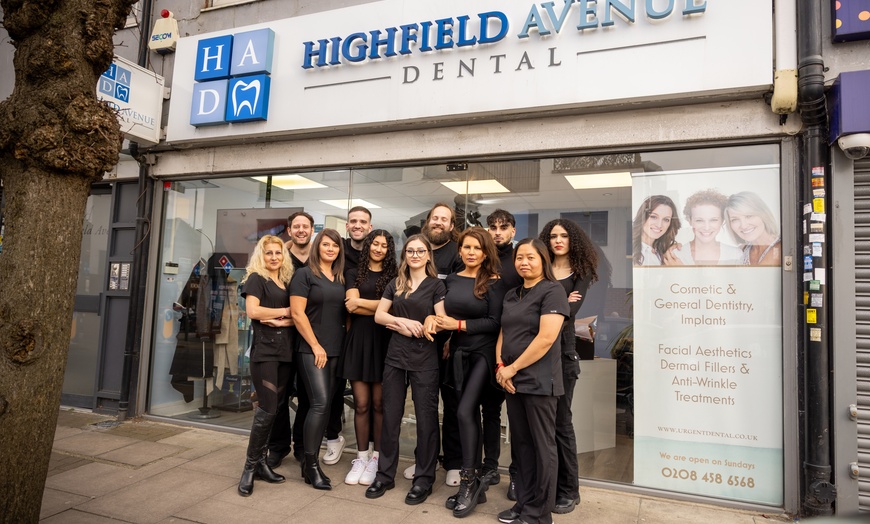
x=115, y=83
x=232, y=78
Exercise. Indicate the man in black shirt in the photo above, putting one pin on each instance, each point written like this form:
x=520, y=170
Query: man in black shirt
x=358, y=226
x=502, y=227
x=299, y=227
x=439, y=230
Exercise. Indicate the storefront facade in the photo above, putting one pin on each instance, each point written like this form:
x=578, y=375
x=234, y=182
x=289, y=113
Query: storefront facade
x=584, y=111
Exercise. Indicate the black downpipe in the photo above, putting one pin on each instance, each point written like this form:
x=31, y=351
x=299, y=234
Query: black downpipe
x=135, y=317
x=820, y=492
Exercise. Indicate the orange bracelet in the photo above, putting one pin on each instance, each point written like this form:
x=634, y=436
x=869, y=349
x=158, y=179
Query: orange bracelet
x=499, y=366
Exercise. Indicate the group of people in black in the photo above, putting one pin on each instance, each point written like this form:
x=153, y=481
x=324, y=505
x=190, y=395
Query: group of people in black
x=476, y=317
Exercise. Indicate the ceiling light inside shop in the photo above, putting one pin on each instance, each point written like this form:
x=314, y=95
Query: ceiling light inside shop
x=476, y=187
x=343, y=204
x=599, y=180
x=290, y=182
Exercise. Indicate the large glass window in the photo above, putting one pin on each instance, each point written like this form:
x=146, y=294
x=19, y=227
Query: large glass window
x=631, y=391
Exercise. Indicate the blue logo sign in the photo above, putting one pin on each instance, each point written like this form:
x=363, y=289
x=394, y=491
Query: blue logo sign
x=232, y=78
x=115, y=82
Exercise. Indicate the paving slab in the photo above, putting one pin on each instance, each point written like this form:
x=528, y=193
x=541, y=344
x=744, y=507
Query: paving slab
x=54, y=502
x=74, y=516
x=227, y=461
x=158, y=497
x=60, y=462
x=212, y=511
x=197, y=443
x=334, y=509
x=64, y=432
x=284, y=499
x=98, y=479
x=92, y=443
x=655, y=511
x=141, y=453
x=604, y=507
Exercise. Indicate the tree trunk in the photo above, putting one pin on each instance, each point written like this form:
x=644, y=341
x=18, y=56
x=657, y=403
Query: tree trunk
x=55, y=139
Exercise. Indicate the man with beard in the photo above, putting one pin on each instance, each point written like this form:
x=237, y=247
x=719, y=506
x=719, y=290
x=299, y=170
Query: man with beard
x=299, y=227
x=445, y=253
x=502, y=228
x=358, y=226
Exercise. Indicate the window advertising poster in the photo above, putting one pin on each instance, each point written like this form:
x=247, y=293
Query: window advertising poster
x=707, y=251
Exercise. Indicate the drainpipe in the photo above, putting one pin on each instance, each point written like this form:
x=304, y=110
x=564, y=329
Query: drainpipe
x=820, y=492
x=135, y=315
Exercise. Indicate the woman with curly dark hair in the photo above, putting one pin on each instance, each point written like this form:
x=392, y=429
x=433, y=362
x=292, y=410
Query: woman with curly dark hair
x=574, y=265
x=654, y=232
x=366, y=348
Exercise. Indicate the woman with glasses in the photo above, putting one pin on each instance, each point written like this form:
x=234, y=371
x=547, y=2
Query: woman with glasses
x=365, y=349
x=529, y=368
x=317, y=305
x=473, y=304
x=265, y=288
x=415, y=294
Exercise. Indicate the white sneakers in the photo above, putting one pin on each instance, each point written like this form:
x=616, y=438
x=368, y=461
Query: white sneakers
x=451, y=480
x=371, y=471
x=453, y=477
x=334, y=448
x=357, y=468
x=362, y=471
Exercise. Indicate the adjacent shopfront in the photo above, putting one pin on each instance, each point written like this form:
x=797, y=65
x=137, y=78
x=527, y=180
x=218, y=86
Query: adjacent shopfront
x=580, y=110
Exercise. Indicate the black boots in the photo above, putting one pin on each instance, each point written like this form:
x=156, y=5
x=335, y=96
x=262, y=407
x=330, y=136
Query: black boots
x=471, y=491
x=255, y=460
x=312, y=473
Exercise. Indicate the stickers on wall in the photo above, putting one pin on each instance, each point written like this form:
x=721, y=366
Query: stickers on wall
x=820, y=275
x=817, y=249
x=818, y=171
x=808, y=208
x=815, y=334
x=819, y=205
x=817, y=238
x=815, y=285
x=816, y=299
x=808, y=263
x=811, y=316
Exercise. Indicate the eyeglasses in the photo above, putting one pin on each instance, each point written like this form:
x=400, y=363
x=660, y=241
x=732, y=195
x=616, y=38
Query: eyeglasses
x=416, y=252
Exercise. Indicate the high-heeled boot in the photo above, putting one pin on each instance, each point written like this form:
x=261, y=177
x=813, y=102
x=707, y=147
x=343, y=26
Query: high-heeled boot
x=313, y=474
x=470, y=489
x=257, y=442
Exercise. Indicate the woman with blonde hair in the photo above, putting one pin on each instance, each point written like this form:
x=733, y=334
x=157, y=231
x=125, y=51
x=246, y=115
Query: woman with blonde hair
x=265, y=288
x=753, y=224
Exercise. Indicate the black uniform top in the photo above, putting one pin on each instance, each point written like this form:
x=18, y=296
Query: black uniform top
x=325, y=310
x=480, y=315
x=409, y=353
x=570, y=358
x=269, y=343
x=509, y=274
x=447, y=259
x=351, y=257
x=520, y=324
x=297, y=264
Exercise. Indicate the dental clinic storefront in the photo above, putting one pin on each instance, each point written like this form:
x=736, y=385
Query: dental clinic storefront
x=642, y=121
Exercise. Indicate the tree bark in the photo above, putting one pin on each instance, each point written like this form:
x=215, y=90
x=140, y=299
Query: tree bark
x=55, y=139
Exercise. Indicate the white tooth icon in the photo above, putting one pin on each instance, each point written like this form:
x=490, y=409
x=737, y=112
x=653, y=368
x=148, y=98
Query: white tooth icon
x=244, y=86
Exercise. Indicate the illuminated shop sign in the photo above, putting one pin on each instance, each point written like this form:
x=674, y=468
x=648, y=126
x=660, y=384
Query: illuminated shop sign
x=232, y=78
x=491, y=27
x=405, y=61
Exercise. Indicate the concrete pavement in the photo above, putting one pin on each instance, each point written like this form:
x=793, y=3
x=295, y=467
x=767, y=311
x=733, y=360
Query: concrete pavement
x=144, y=471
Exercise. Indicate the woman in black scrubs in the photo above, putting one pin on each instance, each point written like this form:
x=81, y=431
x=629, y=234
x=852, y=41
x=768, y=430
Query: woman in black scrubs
x=267, y=299
x=473, y=304
x=529, y=368
x=317, y=305
x=574, y=262
x=415, y=294
x=366, y=348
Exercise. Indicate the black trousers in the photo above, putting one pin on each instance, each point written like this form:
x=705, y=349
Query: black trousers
x=424, y=391
x=319, y=384
x=282, y=429
x=533, y=444
x=566, y=443
x=451, y=445
x=336, y=409
x=491, y=402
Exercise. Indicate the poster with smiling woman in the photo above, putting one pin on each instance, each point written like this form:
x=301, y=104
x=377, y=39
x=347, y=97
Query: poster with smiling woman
x=706, y=250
